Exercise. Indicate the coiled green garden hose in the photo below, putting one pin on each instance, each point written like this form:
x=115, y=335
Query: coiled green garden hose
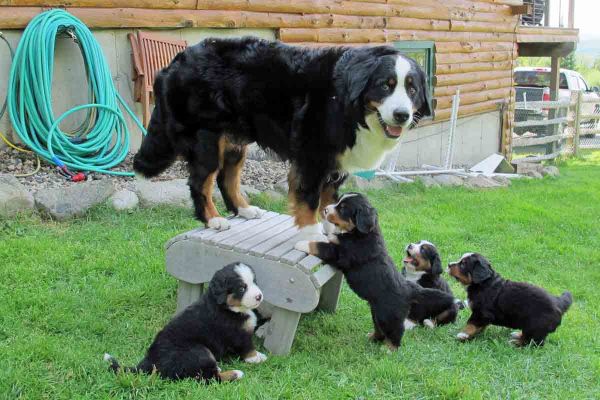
x=102, y=140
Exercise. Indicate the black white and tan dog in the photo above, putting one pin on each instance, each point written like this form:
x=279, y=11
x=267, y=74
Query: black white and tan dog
x=498, y=301
x=220, y=323
x=358, y=250
x=423, y=266
x=328, y=111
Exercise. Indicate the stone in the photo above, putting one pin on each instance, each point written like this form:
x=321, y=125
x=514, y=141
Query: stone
x=175, y=192
x=534, y=174
x=427, y=181
x=282, y=186
x=249, y=190
x=481, y=181
x=274, y=195
x=124, y=200
x=378, y=182
x=525, y=168
x=14, y=197
x=72, y=201
x=551, y=170
x=448, y=180
x=502, y=180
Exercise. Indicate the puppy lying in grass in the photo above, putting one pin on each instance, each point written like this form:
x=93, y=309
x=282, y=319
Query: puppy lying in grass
x=498, y=301
x=359, y=251
x=222, y=322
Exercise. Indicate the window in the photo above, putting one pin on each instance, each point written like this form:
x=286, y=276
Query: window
x=423, y=52
x=582, y=85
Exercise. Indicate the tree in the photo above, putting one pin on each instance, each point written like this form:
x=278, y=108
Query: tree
x=569, y=62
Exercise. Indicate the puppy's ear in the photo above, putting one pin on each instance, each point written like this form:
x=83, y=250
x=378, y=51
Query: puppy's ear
x=218, y=290
x=482, y=269
x=425, y=109
x=436, y=262
x=365, y=219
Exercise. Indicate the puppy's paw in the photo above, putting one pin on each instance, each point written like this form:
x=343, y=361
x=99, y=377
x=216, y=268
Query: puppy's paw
x=256, y=358
x=463, y=336
x=429, y=323
x=408, y=324
x=231, y=375
x=375, y=337
x=328, y=227
x=251, y=212
x=516, y=335
x=219, y=223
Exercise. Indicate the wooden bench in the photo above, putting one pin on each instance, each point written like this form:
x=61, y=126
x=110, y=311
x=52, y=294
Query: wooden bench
x=291, y=281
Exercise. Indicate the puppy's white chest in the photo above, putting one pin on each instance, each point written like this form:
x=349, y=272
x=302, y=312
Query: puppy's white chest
x=411, y=274
x=250, y=323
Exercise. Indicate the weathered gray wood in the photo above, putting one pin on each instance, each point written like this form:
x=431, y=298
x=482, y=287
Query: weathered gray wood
x=255, y=240
x=281, y=331
x=322, y=275
x=330, y=293
x=235, y=231
x=270, y=244
x=187, y=293
x=204, y=233
x=283, y=285
x=282, y=249
x=308, y=263
x=256, y=232
x=292, y=257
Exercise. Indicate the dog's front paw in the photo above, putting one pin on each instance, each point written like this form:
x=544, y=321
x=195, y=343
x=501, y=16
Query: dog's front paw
x=251, y=212
x=219, y=223
x=328, y=227
x=231, y=375
x=258, y=357
x=462, y=336
x=429, y=323
x=408, y=324
x=303, y=245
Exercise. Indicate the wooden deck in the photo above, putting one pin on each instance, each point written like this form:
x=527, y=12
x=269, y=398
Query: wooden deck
x=536, y=41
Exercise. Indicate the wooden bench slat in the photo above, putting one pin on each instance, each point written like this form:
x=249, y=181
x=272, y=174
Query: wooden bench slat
x=273, y=242
x=323, y=275
x=251, y=231
x=283, y=248
x=249, y=243
x=293, y=257
x=309, y=262
x=234, y=231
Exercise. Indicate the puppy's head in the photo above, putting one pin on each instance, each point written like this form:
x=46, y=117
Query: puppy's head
x=352, y=212
x=423, y=257
x=383, y=89
x=234, y=287
x=472, y=268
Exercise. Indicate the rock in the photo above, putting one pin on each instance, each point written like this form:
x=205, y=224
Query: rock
x=14, y=198
x=71, y=201
x=282, y=186
x=534, y=174
x=448, y=180
x=273, y=195
x=427, y=181
x=378, y=182
x=175, y=192
x=481, y=181
x=249, y=190
x=502, y=180
x=124, y=200
x=550, y=170
x=525, y=168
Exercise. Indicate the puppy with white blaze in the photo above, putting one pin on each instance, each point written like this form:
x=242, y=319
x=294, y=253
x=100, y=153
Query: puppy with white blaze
x=221, y=323
x=328, y=112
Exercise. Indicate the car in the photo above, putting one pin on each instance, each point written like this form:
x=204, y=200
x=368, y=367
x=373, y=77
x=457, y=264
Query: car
x=533, y=84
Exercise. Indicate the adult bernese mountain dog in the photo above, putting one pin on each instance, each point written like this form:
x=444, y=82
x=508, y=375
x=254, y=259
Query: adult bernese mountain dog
x=423, y=266
x=358, y=250
x=221, y=322
x=328, y=111
x=498, y=301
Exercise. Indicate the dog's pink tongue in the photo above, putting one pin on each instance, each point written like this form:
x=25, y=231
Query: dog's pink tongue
x=407, y=259
x=394, y=131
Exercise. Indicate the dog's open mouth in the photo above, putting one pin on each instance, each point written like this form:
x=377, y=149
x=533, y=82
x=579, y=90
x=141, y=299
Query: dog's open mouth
x=410, y=260
x=393, y=132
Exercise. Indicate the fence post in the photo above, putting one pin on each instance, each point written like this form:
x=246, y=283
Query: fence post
x=577, y=123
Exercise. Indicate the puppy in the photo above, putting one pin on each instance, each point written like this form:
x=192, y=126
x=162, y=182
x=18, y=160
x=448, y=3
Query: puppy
x=359, y=251
x=221, y=322
x=498, y=301
x=423, y=266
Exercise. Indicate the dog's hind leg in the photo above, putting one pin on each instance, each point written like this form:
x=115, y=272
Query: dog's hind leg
x=228, y=180
x=204, y=160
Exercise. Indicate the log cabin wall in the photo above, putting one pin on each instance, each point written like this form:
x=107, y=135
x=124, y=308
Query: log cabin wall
x=475, y=41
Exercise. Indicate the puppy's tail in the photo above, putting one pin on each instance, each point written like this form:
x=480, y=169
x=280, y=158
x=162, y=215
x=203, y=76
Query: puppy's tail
x=114, y=366
x=564, y=301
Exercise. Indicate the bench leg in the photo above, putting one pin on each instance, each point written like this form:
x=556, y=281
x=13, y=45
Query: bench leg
x=187, y=293
x=281, y=331
x=330, y=293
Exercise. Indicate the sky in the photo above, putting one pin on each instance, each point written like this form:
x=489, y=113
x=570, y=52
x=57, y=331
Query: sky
x=587, y=13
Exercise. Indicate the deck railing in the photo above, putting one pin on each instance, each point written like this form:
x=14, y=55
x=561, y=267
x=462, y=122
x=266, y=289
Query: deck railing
x=550, y=13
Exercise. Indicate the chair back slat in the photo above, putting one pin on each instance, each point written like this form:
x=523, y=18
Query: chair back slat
x=157, y=53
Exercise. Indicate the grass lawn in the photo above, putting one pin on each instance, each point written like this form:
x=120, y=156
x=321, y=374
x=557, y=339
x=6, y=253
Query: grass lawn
x=71, y=291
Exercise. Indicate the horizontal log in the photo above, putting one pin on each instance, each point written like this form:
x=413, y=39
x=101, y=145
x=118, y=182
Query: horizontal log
x=471, y=77
x=526, y=38
x=442, y=91
x=441, y=115
x=474, y=47
x=475, y=97
x=494, y=56
x=479, y=26
x=535, y=141
x=472, y=67
x=535, y=30
x=156, y=4
x=543, y=122
x=413, y=23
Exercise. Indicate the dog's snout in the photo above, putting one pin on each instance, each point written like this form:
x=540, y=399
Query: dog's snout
x=258, y=297
x=401, y=115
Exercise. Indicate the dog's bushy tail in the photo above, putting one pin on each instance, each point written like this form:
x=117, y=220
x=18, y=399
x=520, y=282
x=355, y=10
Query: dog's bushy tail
x=564, y=301
x=114, y=366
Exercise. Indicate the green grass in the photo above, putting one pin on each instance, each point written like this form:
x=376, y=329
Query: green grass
x=71, y=291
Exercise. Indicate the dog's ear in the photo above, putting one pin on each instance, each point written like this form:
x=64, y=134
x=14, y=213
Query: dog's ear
x=425, y=101
x=365, y=219
x=482, y=269
x=434, y=260
x=218, y=290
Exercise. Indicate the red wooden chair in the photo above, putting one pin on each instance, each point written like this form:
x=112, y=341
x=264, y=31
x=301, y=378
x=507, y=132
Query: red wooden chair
x=149, y=54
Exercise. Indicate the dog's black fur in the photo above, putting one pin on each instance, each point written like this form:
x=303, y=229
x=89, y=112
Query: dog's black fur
x=360, y=253
x=303, y=104
x=190, y=345
x=498, y=301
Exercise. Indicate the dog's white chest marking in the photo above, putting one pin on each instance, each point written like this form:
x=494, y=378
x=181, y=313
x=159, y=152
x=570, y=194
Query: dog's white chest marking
x=250, y=323
x=412, y=274
x=370, y=149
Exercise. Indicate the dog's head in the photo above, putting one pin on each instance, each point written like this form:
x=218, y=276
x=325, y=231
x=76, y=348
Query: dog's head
x=423, y=257
x=472, y=268
x=352, y=212
x=234, y=287
x=382, y=89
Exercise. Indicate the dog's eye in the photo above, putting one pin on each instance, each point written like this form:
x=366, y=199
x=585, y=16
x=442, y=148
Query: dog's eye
x=243, y=288
x=385, y=87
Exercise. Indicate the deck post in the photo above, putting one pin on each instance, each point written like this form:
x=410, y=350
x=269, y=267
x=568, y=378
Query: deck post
x=571, y=14
x=554, y=90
